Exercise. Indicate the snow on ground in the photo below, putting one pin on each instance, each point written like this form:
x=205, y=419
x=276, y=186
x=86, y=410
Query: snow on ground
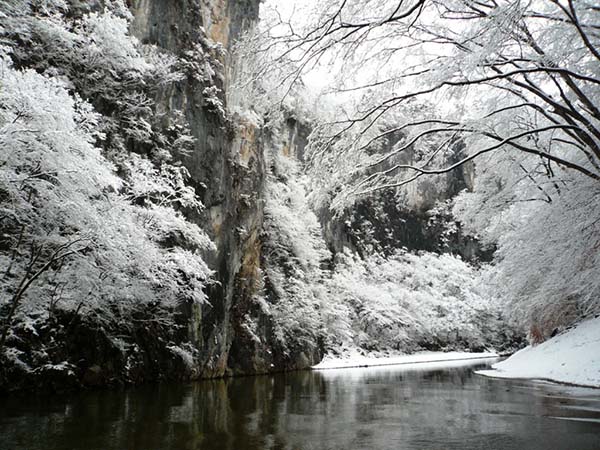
x=361, y=374
x=571, y=357
x=358, y=360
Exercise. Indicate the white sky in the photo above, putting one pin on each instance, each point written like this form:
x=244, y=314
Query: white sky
x=319, y=78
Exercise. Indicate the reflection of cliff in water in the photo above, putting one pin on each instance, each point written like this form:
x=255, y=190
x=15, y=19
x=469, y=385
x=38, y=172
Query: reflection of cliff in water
x=375, y=408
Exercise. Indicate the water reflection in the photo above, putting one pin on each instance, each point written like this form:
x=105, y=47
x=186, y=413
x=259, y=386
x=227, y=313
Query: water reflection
x=392, y=407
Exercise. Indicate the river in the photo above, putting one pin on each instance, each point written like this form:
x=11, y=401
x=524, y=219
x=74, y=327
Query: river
x=395, y=407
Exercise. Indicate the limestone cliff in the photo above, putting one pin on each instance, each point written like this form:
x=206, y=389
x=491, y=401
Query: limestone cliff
x=228, y=167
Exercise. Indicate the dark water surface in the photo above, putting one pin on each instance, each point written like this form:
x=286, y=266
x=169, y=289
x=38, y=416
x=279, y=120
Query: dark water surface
x=395, y=407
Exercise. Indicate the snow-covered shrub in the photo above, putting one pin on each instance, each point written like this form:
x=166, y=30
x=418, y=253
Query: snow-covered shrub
x=87, y=225
x=409, y=301
x=99, y=58
x=60, y=205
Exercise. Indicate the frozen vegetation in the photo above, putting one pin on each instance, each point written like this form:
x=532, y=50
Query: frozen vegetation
x=399, y=303
x=92, y=231
x=407, y=302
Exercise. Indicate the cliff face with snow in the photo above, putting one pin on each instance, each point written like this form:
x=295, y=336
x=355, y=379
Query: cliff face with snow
x=232, y=333
x=162, y=104
x=416, y=217
x=226, y=164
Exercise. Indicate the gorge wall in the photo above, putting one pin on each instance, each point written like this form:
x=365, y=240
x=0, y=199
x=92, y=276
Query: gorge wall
x=226, y=164
x=229, y=333
x=229, y=171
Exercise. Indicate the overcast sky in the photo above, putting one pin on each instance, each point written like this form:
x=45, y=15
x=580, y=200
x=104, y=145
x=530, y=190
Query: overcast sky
x=317, y=79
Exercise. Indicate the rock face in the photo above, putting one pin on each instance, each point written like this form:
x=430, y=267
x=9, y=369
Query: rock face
x=417, y=218
x=226, y=164
x=229, y=170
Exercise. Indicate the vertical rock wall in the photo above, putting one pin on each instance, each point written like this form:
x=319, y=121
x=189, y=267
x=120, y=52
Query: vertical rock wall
x=228, y=169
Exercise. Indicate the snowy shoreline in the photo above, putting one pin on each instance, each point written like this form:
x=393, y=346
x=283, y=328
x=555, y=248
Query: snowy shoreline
x=571, y=358
x=358, y=360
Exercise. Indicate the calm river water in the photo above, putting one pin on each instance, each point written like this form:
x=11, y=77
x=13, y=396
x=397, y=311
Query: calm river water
x=394, y=407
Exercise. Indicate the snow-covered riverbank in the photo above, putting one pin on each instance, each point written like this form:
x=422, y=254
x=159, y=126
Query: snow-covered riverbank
x=358, y=360
x=572, y=357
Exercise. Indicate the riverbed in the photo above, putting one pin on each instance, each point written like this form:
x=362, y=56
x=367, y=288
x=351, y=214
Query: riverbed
x=424, y=406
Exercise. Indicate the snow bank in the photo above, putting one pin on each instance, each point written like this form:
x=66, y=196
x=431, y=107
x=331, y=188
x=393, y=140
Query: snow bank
x=572, y=357
x=358, y=360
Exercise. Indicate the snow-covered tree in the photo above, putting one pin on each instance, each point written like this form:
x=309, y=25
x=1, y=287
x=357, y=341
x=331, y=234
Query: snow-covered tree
x=515, y=83
x=294, y=252
x=88, y=226
x=414, y=301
